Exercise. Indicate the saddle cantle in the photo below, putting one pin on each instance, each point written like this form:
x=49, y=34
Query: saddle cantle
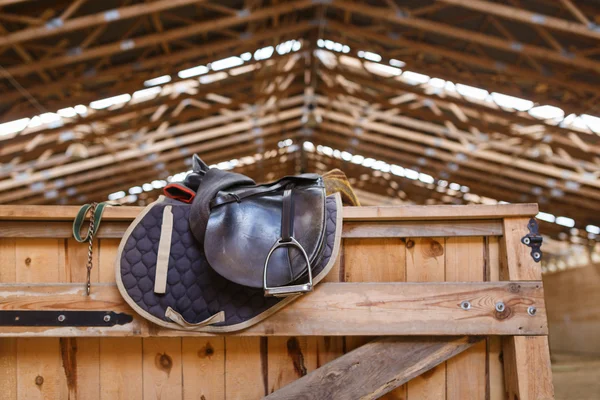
x=222, y=253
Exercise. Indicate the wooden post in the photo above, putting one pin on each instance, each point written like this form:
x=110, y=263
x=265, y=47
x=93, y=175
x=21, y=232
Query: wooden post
x=527, y=371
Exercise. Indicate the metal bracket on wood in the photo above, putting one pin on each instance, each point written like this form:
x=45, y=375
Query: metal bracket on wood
x=534, y=240
x=63, y=318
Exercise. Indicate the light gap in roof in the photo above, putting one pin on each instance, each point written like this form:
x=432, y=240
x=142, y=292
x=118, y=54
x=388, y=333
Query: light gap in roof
x=194, y=71
x=110, y=101
x=225, y=63
x=159, y=80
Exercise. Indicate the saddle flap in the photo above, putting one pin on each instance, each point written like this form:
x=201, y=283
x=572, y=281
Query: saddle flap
x=240, y=234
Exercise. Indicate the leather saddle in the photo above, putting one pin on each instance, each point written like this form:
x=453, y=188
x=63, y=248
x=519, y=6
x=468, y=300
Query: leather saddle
x=220, y=253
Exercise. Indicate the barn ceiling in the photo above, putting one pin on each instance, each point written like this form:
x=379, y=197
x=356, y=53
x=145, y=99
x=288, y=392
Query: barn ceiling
x=449, y=101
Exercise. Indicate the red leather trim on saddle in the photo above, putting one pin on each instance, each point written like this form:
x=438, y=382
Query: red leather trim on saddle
x=179, y=192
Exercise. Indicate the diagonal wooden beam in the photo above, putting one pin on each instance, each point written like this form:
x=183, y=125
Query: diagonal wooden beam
x=136, y=75
x=468, y=36
x=375, y=369
x=577, y=13
x=487, y=64
x=88, y=21
x=156, y=38
x=528, y=17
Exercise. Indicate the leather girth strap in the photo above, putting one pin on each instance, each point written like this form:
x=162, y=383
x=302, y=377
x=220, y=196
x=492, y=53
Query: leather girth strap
x=287, y=223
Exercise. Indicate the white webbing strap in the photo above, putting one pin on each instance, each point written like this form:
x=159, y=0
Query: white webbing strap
x=164, y=249
x=178, y=319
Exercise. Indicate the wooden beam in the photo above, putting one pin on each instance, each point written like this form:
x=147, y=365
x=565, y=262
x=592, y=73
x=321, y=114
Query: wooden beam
x=577, y=13
x=396, y=308
x=487, y=117
x=462, y=57
x=574, y=206
x=351, y=214
x=456, y=147
x=467, y=35
x=527, y=370
x=353, y=230
x=528, y=17
x=53, y=136
x=490, y=138
x=156, y=38
x=405, y=229
x=214, y=121
x=137, y=172
x=469, y=170
x=143, y=69
x=166, y=144
x=375, y=368
x=104, y=17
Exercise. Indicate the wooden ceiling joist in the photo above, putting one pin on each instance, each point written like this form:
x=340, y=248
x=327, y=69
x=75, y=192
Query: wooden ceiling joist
x=87, y=21
x=157, y=38
x=143, y=70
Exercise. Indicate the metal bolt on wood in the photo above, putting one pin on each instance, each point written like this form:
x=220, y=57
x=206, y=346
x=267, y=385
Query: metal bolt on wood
x=500, y=306
x=531, y=310
x=465, y=305
x=61, y=318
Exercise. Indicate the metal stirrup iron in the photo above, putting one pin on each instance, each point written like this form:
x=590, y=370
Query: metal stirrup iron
x=287, y=240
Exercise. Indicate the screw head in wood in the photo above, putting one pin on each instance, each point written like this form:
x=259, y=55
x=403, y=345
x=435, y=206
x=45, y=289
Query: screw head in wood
x=500, y=307
x=465, y=305
x=531, y=310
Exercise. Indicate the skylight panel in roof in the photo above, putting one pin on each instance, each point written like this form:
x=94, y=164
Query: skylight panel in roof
x=13, y=126
x=264, y=53
x=68, y=112
x=110, y=101
x=194, y=71
x=472, y=91
x=593, y=229
x=225, y=63
x=507, y=101
x=80, y=109
x=289, y=46
x=546, y=217
x=368, y=55
x=592, y=122
x=564, y=221
x=160, y=80
x=382, y=70
x=146, y=94
x=414, y=78
x=547, y=112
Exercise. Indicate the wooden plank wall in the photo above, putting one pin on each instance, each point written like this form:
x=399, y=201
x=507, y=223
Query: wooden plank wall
x=572, y=298
x=214, y=368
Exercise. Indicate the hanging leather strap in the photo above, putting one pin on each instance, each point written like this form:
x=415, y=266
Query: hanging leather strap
x=80, y=218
